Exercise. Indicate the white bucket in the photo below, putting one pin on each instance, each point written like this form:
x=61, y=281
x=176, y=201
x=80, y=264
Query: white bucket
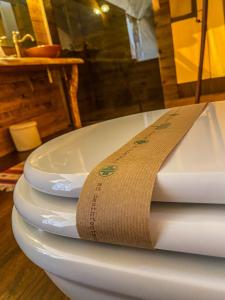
x=25, y=135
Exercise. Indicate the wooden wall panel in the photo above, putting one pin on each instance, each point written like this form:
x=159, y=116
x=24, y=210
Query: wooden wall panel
x=209, y=86
x=29, y=96
x=118, y=85
x=166, y=51
x=39, y=22
x=51, y=21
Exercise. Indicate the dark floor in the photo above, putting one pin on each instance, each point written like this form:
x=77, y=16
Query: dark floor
x=19, y=277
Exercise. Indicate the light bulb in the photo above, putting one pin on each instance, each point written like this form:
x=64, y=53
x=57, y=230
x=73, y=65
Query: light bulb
x=97, y=11
x=105, y=8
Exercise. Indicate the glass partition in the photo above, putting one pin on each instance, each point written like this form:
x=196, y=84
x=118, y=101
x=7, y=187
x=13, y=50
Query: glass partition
x=121, y=71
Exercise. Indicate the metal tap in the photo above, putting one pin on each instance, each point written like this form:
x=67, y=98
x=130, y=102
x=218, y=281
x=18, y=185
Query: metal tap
x=17, y=40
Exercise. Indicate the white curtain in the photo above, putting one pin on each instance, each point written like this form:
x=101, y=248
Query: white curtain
x=140, y=27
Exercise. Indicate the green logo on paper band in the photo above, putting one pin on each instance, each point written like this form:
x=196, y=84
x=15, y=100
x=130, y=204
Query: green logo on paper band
x=174, y=114
x=163, y=126
x=107, y=171
x=141, y=142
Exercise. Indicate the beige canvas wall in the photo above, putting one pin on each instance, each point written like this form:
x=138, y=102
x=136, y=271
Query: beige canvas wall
x=186, y=40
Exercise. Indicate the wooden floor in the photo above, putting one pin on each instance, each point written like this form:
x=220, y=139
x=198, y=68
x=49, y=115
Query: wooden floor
x=19, y=277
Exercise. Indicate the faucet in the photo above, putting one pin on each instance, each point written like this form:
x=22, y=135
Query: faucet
x=17, y=40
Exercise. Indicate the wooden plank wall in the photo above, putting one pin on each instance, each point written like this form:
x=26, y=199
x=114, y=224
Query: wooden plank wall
x=39, y=22
x=166, y=53
x=48, y=6
x=112, y=88
x=29, y=96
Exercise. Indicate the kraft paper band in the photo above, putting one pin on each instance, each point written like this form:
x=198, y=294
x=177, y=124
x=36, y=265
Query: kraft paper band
x=114, y=205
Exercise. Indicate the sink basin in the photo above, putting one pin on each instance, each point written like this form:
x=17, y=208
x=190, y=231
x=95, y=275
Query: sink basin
x=43, y=51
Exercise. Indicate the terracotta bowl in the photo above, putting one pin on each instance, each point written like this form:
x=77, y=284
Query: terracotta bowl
x=43, y=51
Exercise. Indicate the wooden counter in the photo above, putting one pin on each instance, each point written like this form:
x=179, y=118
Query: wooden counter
x=12, y=64
x=38, y=61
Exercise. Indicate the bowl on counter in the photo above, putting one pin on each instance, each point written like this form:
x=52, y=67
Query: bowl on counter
x=51, y=51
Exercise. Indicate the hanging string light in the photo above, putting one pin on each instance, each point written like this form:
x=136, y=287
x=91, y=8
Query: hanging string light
x=105, y=8
x=97, y=11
